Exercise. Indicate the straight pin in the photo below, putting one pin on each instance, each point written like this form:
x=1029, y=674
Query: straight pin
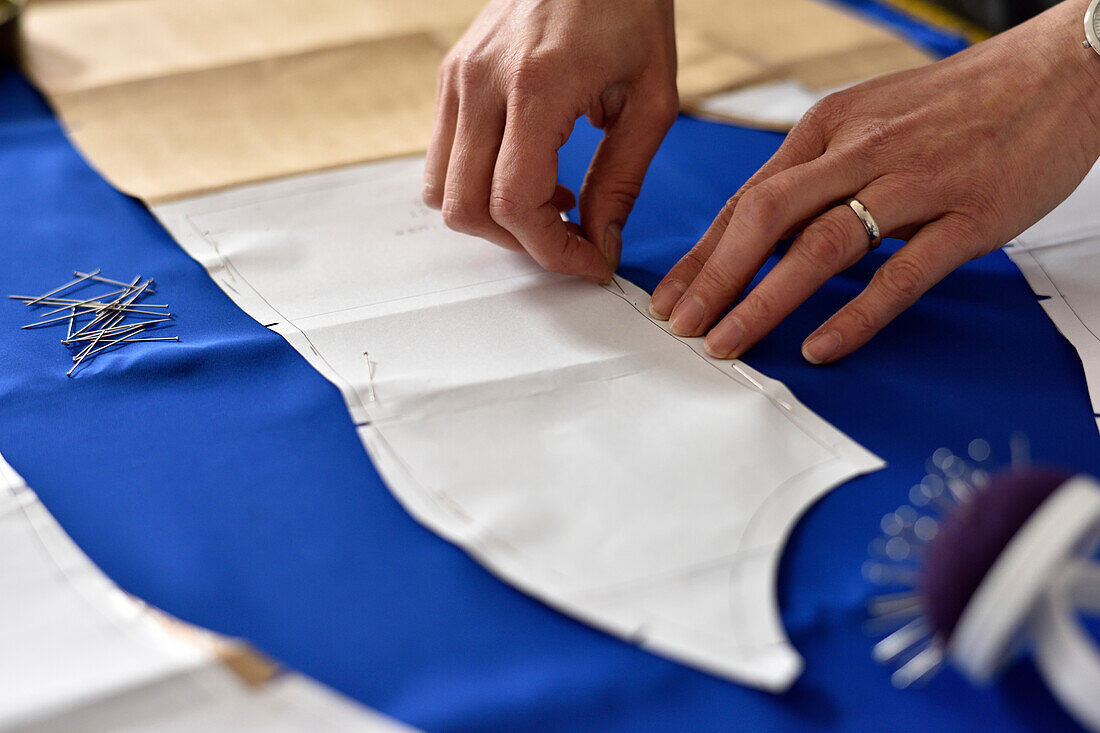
x=112, y=320
x=95, y=324
x=370, y=377
x=96, y=302
x=140, y=309
x=109, y=281
x=100, y=334
x=920, y=667
x=124, y=327
x=118, y=301
x=46, y=322
x=51, y=300
x=901, y=640
x=85, y=353
x=129, y=340
x=67, y=285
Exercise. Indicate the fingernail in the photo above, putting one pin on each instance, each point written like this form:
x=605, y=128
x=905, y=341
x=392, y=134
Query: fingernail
x=687, y=317
x=723, y=340
x=613, y=245
x=665, y=299
x=820, y=347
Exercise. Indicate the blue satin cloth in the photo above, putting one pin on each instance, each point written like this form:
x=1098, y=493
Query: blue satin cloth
x=939, y=41
x=221, y=479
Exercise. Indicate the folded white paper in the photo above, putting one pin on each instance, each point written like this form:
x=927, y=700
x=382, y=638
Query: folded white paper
x=77, y=654
x=545, y=424
x=1060, y=257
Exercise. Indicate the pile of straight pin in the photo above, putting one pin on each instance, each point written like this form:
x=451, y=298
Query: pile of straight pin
x=104, y=321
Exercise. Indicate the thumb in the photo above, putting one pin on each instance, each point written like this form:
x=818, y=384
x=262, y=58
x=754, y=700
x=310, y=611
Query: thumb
x=618, y=168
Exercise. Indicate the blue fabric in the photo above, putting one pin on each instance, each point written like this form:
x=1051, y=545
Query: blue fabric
x=940, y=41
x=221, y=479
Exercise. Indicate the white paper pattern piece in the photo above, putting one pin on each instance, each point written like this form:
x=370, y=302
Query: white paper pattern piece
x=79, y=655
x=545, y=424
x=1060, y=258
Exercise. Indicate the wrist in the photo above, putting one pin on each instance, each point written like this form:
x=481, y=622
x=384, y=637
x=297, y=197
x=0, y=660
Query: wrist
x=1060, y=34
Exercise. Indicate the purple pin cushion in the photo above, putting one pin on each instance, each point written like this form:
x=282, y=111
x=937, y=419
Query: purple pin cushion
x=971, y=537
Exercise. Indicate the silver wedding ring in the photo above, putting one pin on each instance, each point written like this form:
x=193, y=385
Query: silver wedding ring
x=868, y=221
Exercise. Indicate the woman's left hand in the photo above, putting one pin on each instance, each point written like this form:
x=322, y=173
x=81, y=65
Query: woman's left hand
x=957, y=157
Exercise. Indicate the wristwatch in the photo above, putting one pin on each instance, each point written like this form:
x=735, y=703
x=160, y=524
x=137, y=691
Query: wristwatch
x=1092, y=26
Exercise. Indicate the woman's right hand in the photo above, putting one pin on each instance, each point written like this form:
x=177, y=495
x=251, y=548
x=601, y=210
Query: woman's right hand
x=509, y=93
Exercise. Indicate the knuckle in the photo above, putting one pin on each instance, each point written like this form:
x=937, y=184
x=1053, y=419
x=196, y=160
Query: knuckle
x=663, y=106
x=450, y=64
x=825, y=113
x=530, y=71
x=848, y=157
x=717, y=278
x=619, y=188
x=695, y=259
x=877, y=138
x=824, y=244
x=760, y=306
x=861, y=319
x=503, y=207
x=762, y=204
x=817, y=115
x=462, y=216
x=732, y=201
x=471, y=69
x=903, y=277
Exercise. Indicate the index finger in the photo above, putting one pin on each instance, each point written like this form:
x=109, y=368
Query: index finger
x=797, y=148
x=524, y=185
x=763, y=214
